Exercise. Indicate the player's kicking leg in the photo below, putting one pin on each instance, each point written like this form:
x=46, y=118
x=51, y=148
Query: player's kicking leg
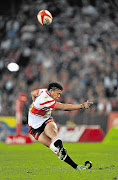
x=49, y=138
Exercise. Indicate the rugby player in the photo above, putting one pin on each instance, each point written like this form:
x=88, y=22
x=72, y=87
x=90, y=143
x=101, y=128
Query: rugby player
x=41, y=124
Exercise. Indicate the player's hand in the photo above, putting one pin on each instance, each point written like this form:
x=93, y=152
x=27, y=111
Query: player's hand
x=86, y=104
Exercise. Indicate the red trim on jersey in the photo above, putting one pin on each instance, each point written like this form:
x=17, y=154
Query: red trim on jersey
x=54, y=105
x=48, y=92
x=47, y=102
x=36, y=111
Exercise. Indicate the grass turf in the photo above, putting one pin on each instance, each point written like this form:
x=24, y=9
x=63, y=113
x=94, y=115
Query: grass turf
x=36, y=162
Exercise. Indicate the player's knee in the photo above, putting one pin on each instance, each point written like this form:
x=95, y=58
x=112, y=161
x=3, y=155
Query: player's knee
x=51, y=130
x=54, y=130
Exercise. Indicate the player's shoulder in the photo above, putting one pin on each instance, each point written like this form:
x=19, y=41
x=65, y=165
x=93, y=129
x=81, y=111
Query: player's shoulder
x=44, y=91
x=45, y=94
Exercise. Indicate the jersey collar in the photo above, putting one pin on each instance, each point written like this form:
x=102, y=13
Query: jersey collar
x=48, y=92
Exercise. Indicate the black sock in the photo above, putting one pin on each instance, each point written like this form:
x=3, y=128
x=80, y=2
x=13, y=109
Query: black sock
x=58, y=144
x=70, y=162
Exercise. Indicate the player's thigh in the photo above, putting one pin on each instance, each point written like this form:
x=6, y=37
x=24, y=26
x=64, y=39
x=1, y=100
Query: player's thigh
x=44, y=139
x=51, y=130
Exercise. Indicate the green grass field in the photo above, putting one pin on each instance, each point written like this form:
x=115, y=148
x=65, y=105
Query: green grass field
x=35, y=161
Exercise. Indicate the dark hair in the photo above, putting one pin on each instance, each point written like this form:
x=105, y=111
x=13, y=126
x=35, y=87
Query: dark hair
x=54, y=86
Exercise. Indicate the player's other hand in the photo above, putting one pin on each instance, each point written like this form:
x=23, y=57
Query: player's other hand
x=86, y=104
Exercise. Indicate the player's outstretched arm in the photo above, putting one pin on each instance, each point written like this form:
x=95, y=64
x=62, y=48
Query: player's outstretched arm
x=71, y=107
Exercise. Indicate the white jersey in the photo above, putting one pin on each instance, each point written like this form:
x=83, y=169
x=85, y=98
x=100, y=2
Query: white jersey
x=41, y=108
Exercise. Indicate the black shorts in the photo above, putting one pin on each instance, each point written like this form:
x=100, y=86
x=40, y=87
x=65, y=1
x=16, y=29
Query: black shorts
x=36, y=132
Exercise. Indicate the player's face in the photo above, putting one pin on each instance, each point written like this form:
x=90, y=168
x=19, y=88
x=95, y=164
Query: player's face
x=55, y=94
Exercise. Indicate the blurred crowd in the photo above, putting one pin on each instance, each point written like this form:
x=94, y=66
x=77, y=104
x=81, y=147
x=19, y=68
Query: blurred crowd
x=79, y=50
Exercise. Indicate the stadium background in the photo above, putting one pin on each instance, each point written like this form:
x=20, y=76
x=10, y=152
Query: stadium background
x=79, y=50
